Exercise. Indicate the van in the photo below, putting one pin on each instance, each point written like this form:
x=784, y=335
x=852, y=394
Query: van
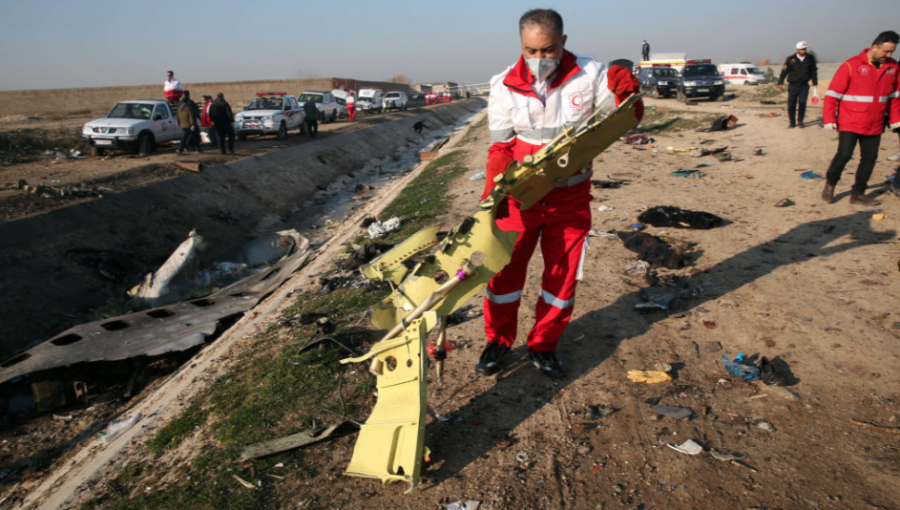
x=370, y=100
x=742, y=73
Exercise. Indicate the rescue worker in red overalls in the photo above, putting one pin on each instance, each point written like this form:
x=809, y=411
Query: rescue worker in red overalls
x=862, y=90
x=351, y=105
x=530, y=103
x=172, y=88
x=430, y=98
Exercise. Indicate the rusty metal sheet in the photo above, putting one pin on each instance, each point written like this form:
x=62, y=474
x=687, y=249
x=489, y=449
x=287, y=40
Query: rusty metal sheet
x=170, y=328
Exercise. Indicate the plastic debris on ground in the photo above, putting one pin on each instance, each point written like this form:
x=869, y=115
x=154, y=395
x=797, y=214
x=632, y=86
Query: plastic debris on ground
x=636, y=227
x=683, y=149
x=522, y=457
x=689, y=447
x=600, y=411
x=648, y=376
x=601, y=184
x=659, y=299
x=878, y=217
x=478, y=177
x=737, y=368
x=638, y=140
x=638, y=267
x=704, y=165
x=603, y=235
x=810, y=175
x=689, y=173
x=118, y=427
x=679, y=413
x=725, y=156
x=469, y=504
x=894, y=157
x=605, y=208
x=382, y=228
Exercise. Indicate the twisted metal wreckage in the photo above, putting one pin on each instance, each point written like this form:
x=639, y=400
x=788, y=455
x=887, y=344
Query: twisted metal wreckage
x=391, y=444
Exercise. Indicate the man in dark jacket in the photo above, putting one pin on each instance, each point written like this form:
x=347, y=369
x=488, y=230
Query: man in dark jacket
x=799, y=69
x=645, y=51
x=312, y=118
x=223, y=119
x=189, y=120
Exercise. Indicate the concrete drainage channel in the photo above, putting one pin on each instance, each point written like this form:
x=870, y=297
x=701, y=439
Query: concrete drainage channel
x=50, y=287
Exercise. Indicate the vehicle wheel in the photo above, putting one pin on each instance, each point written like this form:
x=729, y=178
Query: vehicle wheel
x=333, y=115
x=720, y=98
x=97, y=151
x=282, y=131
x=145, y=144
x=242, y=136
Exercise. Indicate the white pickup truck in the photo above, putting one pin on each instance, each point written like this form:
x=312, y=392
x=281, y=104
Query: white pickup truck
x=132, y=125
x=270, y=113
x=325, y=103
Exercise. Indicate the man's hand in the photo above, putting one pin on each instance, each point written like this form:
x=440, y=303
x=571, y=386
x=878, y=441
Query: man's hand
x=830, y=127
x=193, y=128
x=495, y=166
x=895, y=125
x=622, y=83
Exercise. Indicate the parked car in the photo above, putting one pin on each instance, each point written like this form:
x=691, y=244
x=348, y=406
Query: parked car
x=742, y=73
x=325, y=102
x=700, y=78
x=659, y=81
x=132, y=125
x=395, y=99
x=370, y=100
x=270, y=113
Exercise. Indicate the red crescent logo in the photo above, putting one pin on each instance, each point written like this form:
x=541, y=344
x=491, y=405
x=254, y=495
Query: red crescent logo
x=576, y=101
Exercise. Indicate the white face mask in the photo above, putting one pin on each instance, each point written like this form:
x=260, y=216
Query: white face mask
x=542, y=68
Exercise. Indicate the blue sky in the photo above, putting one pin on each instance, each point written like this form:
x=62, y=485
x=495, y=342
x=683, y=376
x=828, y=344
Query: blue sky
x=94, y=43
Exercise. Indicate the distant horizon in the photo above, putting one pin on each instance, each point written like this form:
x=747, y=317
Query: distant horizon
x=103, y=43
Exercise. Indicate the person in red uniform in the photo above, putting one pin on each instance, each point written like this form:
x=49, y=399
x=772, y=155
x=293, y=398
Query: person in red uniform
x=530, y=103
x=351, y=105
x=862, y=90
x=172, y=88
x=206, y=123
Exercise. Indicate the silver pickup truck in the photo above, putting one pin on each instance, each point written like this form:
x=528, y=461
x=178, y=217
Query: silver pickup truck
x=132, y=125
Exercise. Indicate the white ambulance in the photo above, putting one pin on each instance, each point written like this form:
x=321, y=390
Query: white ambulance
x=742, y=73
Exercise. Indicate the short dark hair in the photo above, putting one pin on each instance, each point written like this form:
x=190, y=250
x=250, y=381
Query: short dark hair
x=888, y=36
x=220, y=96
x=170, y=72
x=187, y=93
x=548, y=19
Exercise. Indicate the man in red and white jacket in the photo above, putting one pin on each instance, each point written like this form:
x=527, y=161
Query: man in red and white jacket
x=547, y=89
x=351, y=105
x=172, y=88
x=862, y=90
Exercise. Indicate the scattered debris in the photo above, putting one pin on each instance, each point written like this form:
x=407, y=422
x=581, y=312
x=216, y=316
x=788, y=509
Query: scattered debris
x=606, y=208
x=734, y=459
x=469, y=504
x=284, y=444
x=784, y=202
x=689, y=173
x=770, y=374
x=193, y=167
x=362, y=256
x=758, y=152
x=480, y=176
x=118, y=427
x=878, y=216
x=764, y=425
x=168, y=282
x=723, y=123
x=671, y=216
x=660, y=298
x=243, y=482
x=648, y=376
x=522, y=457
x=767, y=101
x=56, y=192
x=725, y=156
x=679, y=413
x=638, y=140
x=704, y=165
x=737, y=368
x=637, y=268
x=601, y=184
x=689, y=447
x=362, y=188
x=382, y=228
x=657, y=251
x=713, y=347
x=709, y=324
x=810, y=175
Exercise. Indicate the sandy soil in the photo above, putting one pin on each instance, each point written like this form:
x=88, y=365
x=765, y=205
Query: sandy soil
x=815, y=284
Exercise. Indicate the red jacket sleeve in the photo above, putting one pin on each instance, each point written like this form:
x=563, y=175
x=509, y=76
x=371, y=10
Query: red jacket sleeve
x=839, y=85
x=894, y=105
x=623, y=83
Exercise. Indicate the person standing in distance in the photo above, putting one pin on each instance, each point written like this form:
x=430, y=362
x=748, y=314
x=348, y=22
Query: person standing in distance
x=862, y=90
x=645, y=50
x=351, y=105
x=530, y=103
x=799, y=69
x=222, y=117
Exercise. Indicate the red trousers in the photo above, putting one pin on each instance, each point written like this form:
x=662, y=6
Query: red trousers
x=562, y=228
x=351, y=112
x=173, y=95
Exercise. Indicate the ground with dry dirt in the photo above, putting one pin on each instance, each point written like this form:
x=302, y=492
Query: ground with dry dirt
x=812, y=283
